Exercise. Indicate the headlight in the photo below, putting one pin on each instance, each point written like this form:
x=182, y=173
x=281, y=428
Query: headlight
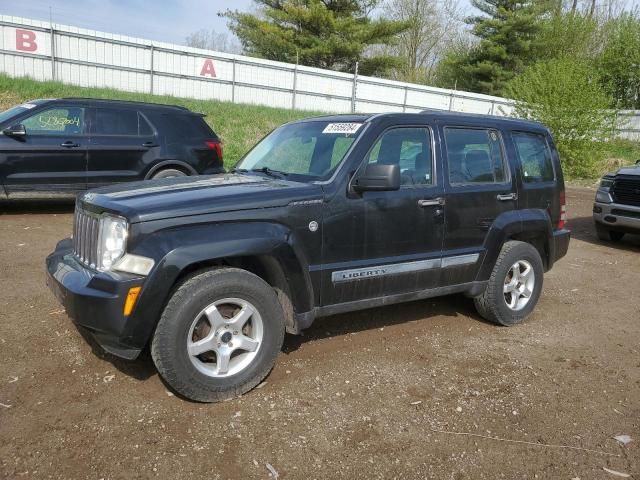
x=112, y=241
x=606, y=182
x=602, y=196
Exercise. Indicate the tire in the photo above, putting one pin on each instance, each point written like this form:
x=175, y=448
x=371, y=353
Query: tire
x=187, y=323
x=494, y=303
x=607, y=235
x=168, y=173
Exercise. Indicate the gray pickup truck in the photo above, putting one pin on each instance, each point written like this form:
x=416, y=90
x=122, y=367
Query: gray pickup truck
x=616, y=210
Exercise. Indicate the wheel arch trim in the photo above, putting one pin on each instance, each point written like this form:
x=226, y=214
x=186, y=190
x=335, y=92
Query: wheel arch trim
x=529, y=225
x=268, y=245
x=164, y=164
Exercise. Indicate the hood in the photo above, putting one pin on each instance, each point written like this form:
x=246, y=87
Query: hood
x=630, y=170
x=185, y=196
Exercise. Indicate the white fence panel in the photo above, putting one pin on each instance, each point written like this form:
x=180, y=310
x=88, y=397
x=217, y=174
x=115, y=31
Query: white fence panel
x=97, y=59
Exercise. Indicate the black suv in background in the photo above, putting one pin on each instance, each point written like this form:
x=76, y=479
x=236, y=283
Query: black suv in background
x=63, y=146
x=323, y=216
x=616, y=210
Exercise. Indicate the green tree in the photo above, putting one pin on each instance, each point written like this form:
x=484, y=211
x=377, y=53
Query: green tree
x=506, y=33
x=619, y=63
x=566, y=95
x=568, y=35
x=331, y=34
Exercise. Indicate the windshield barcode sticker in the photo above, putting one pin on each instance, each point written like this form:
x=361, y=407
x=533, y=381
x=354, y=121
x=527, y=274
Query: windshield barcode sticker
x=346, y=128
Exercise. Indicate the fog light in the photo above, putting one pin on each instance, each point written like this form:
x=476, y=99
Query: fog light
x=597, y=209
x=134, y=264
x=130, y=302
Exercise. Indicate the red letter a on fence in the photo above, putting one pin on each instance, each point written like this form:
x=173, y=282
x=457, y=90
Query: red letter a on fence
x=26, y=40
x=207, y=68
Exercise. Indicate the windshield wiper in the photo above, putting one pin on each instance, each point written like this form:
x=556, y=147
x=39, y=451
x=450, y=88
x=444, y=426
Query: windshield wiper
x=270, y=172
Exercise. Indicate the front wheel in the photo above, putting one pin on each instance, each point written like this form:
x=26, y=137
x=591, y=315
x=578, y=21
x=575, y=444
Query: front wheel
x=219, y=335
x=514, y=287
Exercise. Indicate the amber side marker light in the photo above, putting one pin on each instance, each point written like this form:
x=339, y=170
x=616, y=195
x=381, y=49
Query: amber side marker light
x=130, y=302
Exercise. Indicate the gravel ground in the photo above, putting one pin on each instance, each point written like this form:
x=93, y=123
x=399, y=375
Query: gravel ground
x=363, y=395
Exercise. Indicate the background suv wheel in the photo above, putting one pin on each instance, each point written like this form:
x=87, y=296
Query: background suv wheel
x=168, y=173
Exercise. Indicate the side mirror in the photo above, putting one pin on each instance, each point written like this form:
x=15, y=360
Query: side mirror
x=15, y=131
x=378, y=177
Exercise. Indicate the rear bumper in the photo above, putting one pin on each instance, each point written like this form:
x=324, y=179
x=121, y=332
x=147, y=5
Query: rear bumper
x=561, y=240
x=95, y=300
x=615, y=216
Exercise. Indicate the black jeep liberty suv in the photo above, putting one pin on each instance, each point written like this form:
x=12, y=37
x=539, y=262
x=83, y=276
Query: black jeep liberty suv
x=325, y=215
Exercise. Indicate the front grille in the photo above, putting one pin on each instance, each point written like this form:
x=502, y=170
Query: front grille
x=626, y=191
x=85, y=237
x=625, y=213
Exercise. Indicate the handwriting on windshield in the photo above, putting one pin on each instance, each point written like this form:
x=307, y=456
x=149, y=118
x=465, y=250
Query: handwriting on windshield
x=54, y=122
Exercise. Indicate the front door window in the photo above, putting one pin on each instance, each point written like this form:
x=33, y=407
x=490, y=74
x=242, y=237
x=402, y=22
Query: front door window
x=60, y=121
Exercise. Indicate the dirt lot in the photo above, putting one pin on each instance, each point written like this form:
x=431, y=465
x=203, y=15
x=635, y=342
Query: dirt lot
x=364, y=395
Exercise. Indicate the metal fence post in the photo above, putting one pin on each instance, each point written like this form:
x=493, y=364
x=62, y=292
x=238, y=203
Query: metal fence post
x=233, y=82
x=53, y=51
x=404, y=103
x=354, y=90
x=151, y=70
x=493, y=106
x=450, y=101
x=295, y=86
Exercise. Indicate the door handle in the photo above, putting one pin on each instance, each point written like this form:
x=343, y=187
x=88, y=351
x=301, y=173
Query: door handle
x=69, y=144
x=432, y=202
x=504, y=197
x=149, y=144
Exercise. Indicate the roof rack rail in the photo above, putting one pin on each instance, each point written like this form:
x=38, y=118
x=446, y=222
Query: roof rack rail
x=133, y=102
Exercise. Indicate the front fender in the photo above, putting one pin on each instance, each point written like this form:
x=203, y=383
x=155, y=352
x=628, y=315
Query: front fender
x=514, y=223
x=177, y=249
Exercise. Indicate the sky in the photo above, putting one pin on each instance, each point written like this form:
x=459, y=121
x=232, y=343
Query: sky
x=164, y=20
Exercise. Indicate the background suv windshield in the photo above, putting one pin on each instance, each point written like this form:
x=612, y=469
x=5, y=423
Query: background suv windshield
x=309, y=149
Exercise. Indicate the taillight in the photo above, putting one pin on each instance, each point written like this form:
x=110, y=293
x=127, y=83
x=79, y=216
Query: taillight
x=216, y=146
x=563, y=211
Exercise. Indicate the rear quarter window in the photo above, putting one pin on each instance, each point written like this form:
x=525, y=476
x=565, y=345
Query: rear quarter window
x=534, y=156
x=178, y=128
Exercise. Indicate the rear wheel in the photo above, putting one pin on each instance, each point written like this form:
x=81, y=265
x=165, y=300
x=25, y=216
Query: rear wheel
x=168, y=173
x=514, y=287
x=219, y=335
x=607, y=235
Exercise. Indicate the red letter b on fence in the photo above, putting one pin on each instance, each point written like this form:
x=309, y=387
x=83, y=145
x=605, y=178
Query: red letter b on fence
x=26, y=40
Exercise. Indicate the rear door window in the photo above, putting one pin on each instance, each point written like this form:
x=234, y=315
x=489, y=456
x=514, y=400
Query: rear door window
x=534, y=156
x=474, y=156
x=112, y=121
x=56, y=121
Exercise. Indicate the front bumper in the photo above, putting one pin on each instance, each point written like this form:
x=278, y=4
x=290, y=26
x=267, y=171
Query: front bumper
x=615, y=216
x=94, y=300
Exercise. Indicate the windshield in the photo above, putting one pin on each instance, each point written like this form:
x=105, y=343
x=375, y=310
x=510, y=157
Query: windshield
x=12, y=112
x=311, y=150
